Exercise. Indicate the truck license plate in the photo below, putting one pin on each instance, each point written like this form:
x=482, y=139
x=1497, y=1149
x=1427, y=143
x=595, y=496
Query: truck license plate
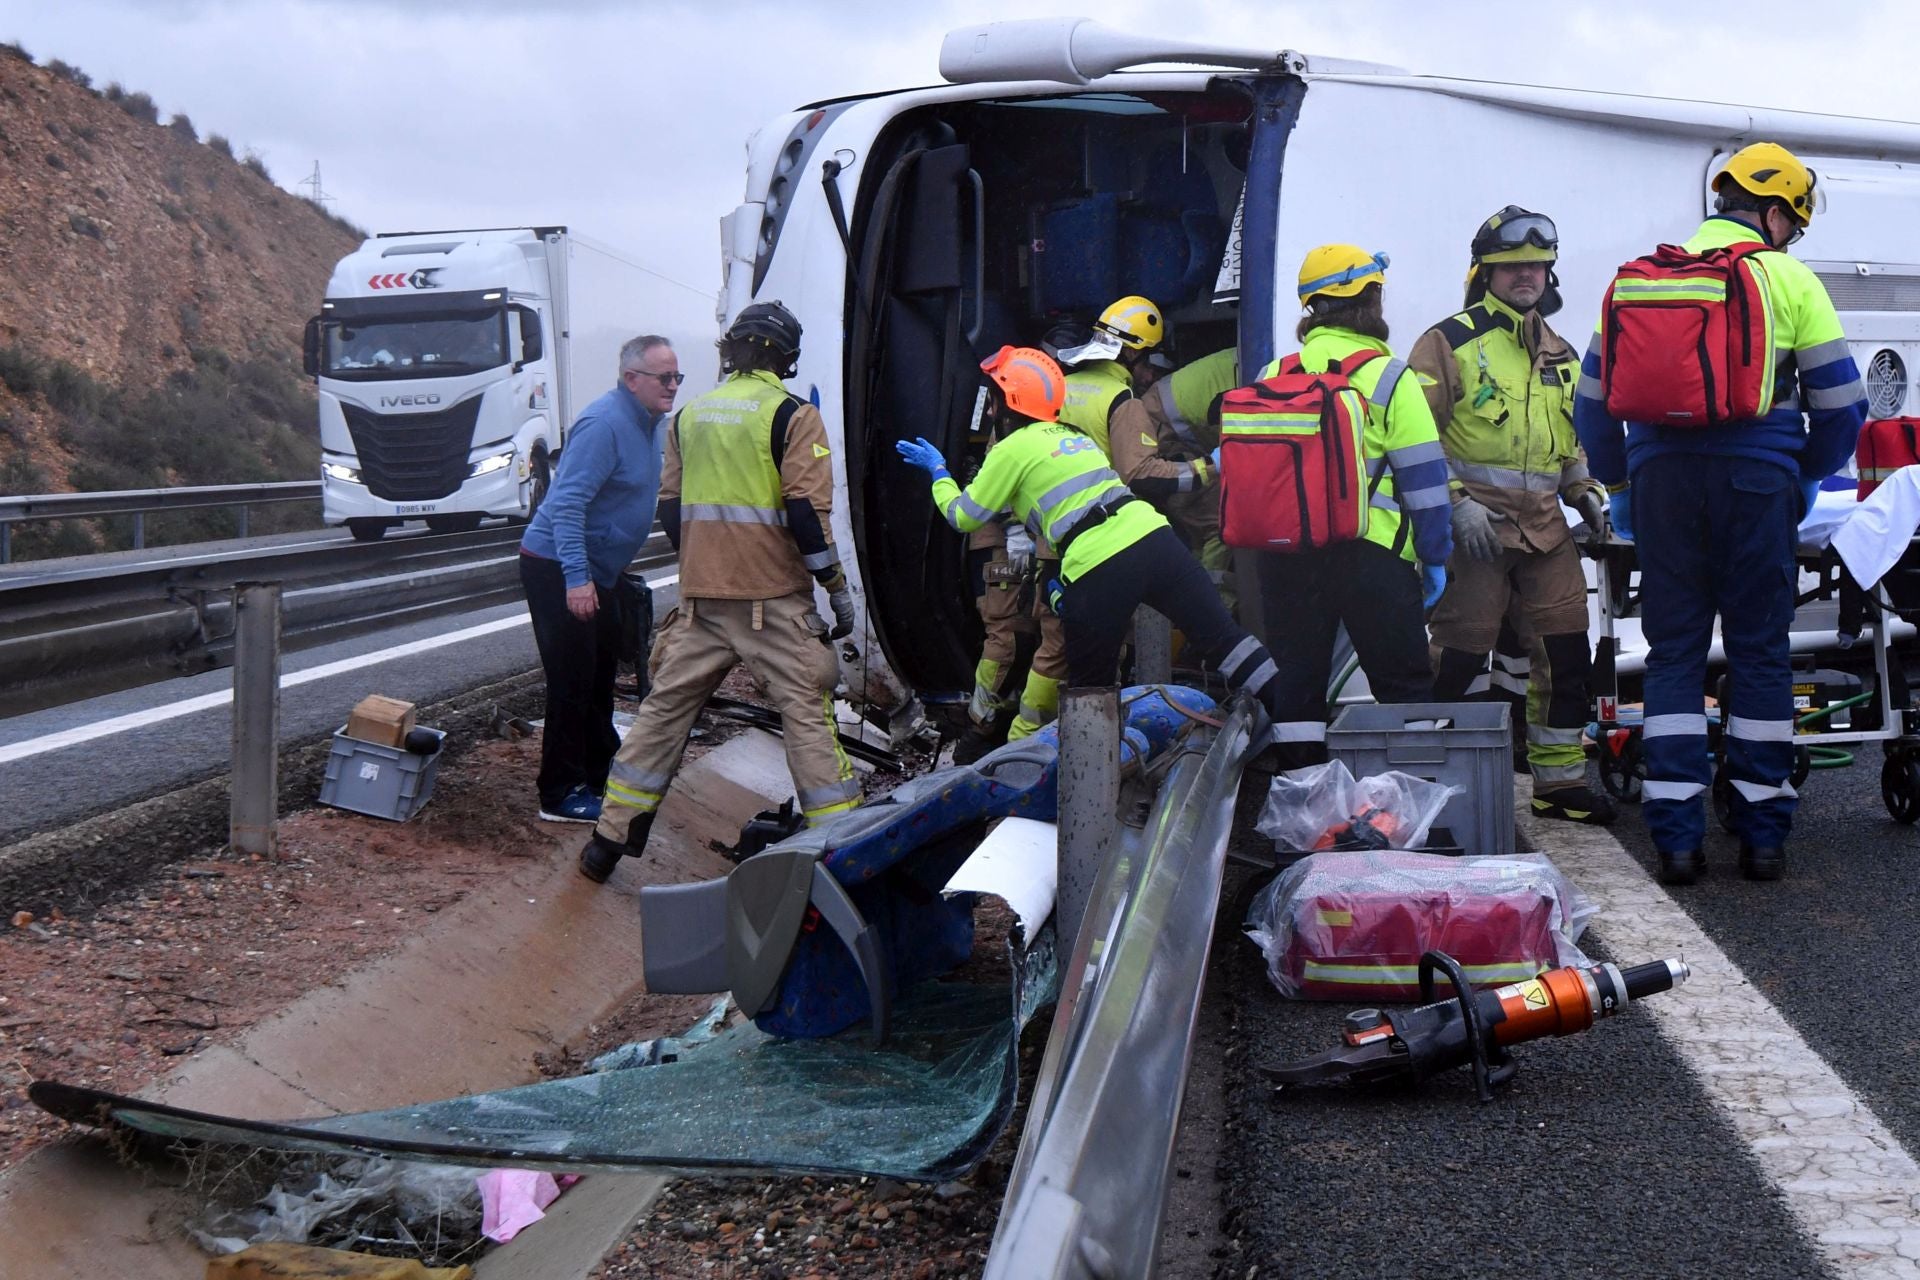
x=414, y=508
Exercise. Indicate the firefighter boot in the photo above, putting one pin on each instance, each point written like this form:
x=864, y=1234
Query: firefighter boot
x=977, y=741
x=1684, y=867
x=1577, y=803
x=602, y=855
x=1762, y=862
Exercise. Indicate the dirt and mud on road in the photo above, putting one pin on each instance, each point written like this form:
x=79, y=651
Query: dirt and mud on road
x=115, y=981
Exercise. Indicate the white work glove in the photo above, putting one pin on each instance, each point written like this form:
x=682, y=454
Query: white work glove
x=1019, y=550
x=1593, y=509
x=1473, y=530
x=841, y=601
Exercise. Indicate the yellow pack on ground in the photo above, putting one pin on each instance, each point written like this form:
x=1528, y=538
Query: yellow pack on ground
x=306, y=1262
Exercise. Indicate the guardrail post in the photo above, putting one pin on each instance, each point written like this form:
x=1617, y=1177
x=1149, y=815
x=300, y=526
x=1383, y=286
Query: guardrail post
x=1089, y=801
x=139, y=530
x=256, y=718
x=1152, y=647
x=6, y=542
x=243, y=520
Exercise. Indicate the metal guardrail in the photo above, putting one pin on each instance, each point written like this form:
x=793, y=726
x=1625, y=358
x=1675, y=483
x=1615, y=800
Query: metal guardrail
x=1088, y=1191
x=87, y=629
x=138, y=502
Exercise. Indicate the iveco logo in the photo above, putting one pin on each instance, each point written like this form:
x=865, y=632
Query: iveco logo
x=394, y=402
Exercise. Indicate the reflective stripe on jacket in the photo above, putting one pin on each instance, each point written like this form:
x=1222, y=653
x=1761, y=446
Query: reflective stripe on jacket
x=735, y=499
x=1051, y=478
x=1502, y=394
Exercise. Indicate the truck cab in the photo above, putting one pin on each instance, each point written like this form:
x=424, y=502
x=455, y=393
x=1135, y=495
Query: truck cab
x=915, y=232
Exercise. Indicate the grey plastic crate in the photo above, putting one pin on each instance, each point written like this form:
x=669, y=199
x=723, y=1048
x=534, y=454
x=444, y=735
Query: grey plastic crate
x=1474, y=753
x=386, y=782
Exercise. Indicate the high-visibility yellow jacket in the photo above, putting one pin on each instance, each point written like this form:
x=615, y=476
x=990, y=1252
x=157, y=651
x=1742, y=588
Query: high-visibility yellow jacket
x=1056, y=481
x=747, y=490
x=1095, y=392
x=1501, y=389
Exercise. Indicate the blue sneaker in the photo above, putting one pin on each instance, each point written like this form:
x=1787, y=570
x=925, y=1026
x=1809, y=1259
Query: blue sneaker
x=578, y=805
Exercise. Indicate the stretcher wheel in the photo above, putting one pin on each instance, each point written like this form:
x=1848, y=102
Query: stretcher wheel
x=1723, y=799
x=1622, y=769
x=1900, y=788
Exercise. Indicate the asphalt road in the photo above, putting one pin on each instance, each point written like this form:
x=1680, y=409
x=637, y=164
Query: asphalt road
x=141, y=742
x=1756, y=1122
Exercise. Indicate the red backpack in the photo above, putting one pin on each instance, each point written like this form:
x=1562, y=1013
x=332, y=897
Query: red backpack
x=1687, y=339
x=1293, y=473
x=1886, y=445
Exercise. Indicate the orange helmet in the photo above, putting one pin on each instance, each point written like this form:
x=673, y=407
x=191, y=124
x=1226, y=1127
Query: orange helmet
x=1030, y=380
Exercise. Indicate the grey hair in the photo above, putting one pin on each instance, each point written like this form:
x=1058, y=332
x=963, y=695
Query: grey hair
x=634, y=350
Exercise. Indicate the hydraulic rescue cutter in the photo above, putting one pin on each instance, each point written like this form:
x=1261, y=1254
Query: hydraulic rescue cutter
x=1474, y=1028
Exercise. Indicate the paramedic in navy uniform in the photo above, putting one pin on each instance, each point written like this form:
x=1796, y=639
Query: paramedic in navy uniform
x=1713, y=512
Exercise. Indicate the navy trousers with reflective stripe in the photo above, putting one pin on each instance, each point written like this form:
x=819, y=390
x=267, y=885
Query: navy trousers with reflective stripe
x=1715, y=534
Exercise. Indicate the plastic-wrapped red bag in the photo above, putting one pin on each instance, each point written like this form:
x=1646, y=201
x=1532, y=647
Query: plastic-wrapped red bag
x=1352, y=926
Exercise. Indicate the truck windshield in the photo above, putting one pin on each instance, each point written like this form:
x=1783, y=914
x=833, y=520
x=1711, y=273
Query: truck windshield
x=416, y=346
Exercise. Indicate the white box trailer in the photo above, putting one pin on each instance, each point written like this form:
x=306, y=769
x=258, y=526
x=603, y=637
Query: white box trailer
x=914, y=232
x=450, y=365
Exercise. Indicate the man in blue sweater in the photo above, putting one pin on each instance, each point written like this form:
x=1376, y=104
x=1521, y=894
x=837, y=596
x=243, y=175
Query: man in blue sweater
x=595, y=517
x=1714, y=511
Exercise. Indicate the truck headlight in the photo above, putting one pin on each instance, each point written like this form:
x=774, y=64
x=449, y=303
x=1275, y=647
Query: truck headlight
x=486, y=466
x=334, y=471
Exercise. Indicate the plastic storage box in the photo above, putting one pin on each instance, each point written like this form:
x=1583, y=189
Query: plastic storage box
x=386, y=782
x=1473, y=752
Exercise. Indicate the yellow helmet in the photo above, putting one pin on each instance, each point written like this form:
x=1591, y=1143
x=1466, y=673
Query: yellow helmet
x=1769, y=169
x=1135, y=321
x=1340, y=271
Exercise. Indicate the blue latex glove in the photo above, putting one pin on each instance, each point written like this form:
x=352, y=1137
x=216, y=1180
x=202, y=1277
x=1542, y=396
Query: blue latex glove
x=1056, y=598
x=1808, y=490
x=922, y=455
x=1433, y=580
x=1620, y=514
x=1214, y=457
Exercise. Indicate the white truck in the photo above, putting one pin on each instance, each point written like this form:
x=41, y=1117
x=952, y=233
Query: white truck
x=914, y=232
x=451, y=363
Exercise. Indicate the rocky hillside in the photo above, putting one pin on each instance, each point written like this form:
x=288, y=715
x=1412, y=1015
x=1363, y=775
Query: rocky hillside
x=152, y=293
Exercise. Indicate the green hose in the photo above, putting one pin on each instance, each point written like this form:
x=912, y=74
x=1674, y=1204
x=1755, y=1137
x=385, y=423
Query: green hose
x=1819, y=757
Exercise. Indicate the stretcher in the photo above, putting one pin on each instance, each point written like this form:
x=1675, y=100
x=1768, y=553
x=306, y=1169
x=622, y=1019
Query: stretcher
x=1835, y=621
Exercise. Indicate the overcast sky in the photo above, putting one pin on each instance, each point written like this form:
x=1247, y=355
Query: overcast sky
x=627, y=120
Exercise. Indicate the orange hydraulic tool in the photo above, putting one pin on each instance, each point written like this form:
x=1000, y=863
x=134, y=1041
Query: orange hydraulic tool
x=1475, y=1027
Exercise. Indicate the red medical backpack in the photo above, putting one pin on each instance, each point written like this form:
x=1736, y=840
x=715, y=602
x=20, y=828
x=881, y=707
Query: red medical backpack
x=1886, y=445
x=1687, y=339
x=1293, y=472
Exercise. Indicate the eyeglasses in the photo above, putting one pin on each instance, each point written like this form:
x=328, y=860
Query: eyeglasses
x=666, y=379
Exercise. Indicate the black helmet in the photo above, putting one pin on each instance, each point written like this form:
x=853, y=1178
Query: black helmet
x=1516, y=235
x=769, y=325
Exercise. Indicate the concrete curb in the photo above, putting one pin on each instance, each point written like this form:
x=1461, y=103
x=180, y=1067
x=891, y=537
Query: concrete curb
x=516, y=967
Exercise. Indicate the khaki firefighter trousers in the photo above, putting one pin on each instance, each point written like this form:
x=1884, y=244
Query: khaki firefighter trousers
x=783, y=642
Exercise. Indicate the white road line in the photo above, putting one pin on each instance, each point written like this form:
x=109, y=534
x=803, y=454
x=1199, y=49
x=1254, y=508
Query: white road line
x=1847, y=1180
x=207, y=701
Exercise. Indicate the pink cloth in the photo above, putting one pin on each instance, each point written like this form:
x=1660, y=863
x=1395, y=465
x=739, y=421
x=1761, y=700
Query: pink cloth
x=512, y=1200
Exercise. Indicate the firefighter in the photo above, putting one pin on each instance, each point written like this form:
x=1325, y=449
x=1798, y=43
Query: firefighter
x=1165, y=445
x=1713, y=512
x=1116, y=552
x=744, y=497
x=1375, y=585
x=1500, y=383
x=1102, y=371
